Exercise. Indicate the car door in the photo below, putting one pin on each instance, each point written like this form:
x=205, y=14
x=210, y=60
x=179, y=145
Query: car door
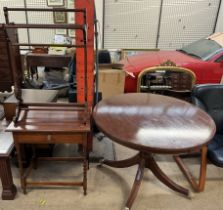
x=214, y=69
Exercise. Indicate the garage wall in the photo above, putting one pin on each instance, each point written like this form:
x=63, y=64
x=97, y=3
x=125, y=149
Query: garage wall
x=131, y=24
x=185, y=21
x=219, y=25
x=99, y=13
x=38, y=35
x=165, y=24
x=17, y=16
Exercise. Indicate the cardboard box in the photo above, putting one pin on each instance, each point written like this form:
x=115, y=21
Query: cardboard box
x=111, y=80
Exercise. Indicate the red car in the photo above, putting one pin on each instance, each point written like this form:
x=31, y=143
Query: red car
x=204, y=57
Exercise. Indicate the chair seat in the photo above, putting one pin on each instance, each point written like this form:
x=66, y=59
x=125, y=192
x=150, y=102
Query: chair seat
x=215, y=150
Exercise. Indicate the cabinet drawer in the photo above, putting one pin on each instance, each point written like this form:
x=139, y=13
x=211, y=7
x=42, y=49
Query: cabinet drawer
x=185, y=76
x=5, y=75
x=4, y=51
x=175, y=81
x=186, y=81
x=3, y=37
x=4, y=64
x=184, y=86
x=175, y=86
x=50, y=138
x=175, y=76
x=3, y=44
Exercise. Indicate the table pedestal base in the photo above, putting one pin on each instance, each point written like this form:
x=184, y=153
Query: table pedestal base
x=144, y=160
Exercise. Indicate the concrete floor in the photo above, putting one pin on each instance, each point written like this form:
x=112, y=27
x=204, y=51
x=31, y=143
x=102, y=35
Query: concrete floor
x=108, y=188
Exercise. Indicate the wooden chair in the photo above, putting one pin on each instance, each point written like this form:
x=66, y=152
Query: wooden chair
x=209, y=97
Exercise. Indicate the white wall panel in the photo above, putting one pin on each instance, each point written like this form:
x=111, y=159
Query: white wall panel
x=186, y=21
x=17, y=17
x=219, y=26
x=134, y=23
x=36, y=35
x=131, y=23
x=40, y=35
x=99, y=13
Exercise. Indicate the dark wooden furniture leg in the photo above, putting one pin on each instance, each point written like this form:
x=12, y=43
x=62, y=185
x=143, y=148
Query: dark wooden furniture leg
x=85, y=167
x=21, y=170
x=122, y=163
x=144, y=160
x=136, y=184
x=198, y=187
x=152, y=165
x=9, y=189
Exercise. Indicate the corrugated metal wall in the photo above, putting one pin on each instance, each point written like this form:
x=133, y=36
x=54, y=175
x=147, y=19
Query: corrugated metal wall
x=131, y=23
x=166, y=24
x=143, y=24
x=38, y=35
x=35, y=35
x=17, y=17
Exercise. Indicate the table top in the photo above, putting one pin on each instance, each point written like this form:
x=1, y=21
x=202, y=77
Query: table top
x=154, y=123
x=51, y=119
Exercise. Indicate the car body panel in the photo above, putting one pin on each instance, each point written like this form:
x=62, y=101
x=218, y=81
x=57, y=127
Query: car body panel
x=205, y=71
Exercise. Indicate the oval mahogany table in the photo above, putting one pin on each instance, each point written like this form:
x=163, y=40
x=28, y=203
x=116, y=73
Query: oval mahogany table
x=155, y=124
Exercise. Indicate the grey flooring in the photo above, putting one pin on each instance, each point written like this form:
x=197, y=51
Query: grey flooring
x=108, y=188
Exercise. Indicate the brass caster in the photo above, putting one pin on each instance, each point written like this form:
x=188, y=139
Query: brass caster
x=101, y=162
x=191, y=195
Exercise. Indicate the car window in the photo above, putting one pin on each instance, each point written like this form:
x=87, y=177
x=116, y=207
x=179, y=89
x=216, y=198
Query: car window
x=220, y=59
x=202, y=48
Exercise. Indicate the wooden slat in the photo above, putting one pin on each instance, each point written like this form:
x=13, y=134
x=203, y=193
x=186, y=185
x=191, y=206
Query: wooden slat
x=62, y=105
x=60, y=158
x=47, y=26
x=41, y=183
x=44, y=9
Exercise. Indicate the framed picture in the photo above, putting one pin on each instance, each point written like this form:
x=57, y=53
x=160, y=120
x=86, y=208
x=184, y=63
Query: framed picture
x=60, y=17
x=71, y=32
x=71, y=18
x=130, y=52
x=70, y=4
x=61, y=31
x=55, y=3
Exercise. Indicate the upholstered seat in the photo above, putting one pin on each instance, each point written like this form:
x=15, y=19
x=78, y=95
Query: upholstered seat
x=215, y=150
x=209, y=97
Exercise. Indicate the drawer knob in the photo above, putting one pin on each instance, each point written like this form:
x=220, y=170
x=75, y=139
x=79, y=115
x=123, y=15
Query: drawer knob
x=49, y=137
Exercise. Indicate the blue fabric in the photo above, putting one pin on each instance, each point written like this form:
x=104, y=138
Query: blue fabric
x=209, y=97
x=215, y=150
x=72, y=71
